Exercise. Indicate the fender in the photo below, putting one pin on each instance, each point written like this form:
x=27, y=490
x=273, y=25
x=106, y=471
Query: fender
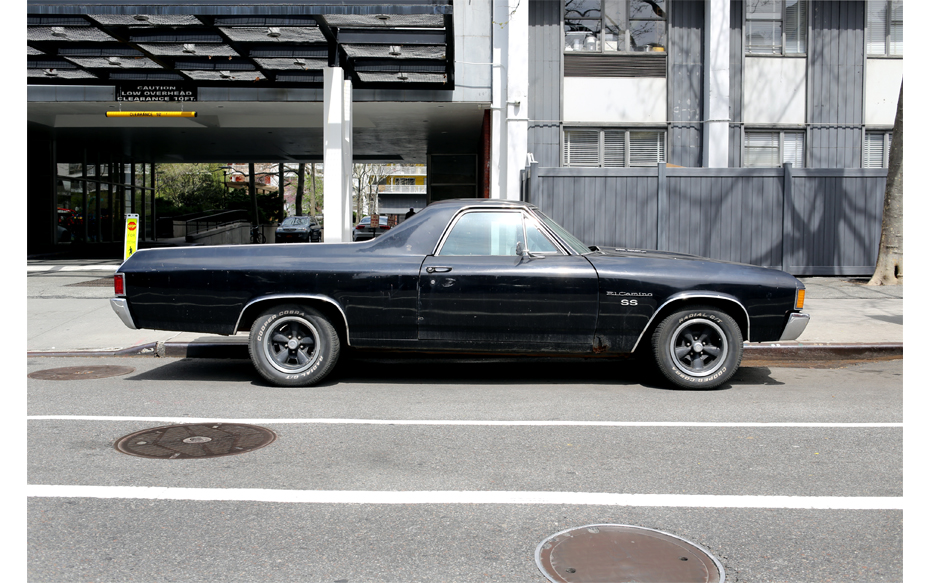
x=296, y=297
x=690, y=295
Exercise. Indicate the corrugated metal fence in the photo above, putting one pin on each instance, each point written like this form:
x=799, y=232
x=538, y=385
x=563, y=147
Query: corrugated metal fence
x=804, y=221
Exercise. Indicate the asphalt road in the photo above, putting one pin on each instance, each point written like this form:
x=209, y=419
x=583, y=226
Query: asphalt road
x=390, y=471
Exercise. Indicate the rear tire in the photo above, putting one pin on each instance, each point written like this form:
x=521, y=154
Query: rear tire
x=698, y=348
x=293, y=346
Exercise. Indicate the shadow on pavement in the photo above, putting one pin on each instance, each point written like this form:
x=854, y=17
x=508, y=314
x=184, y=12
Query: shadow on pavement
x=444, y=371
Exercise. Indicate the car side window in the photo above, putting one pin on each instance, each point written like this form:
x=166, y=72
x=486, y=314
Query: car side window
x=485, y=233
x=536, y=242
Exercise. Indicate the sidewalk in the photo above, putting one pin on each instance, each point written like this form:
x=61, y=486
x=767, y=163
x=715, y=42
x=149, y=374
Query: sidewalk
x=68, y=312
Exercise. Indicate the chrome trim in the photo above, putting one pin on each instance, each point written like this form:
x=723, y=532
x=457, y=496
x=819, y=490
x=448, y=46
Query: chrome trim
x=797, y=322
x=121, y=308
x=691, y=295
x=296, y=297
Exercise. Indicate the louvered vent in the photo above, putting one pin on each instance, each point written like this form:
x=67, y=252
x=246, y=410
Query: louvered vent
x=647, y=148
x=614, y=148
x=874, y=154
x=581, y=148
x=639, y=65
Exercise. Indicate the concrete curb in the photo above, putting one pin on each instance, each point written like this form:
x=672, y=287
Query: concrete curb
x=785, y=351
x=798, y=351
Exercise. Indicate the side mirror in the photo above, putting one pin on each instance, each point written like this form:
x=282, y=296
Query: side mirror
x=520, y=250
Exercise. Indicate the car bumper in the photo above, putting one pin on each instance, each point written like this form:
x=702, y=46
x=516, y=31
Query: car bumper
x=286, y=238
x=121, y=308
x=797, y=322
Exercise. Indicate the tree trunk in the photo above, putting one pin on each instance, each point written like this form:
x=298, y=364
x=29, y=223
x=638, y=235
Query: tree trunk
x=889, y=269
x=281, y=209
x=313, y=191
x=299, y=199
x=252, y=194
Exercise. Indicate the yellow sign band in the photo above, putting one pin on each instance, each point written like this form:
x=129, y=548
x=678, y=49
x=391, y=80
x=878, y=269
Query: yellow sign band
x=151, y=114
x=131, y=240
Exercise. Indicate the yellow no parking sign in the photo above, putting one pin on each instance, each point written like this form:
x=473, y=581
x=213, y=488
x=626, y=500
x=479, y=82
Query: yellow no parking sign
x=132, y=236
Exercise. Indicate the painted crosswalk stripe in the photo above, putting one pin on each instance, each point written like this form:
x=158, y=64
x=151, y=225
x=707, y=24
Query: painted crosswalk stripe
x=465, y=497
x=503, y=423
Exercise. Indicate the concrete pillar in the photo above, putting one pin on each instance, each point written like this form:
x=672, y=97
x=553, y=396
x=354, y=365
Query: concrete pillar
x=716, y=83
x=510, y=94
x=337, y=156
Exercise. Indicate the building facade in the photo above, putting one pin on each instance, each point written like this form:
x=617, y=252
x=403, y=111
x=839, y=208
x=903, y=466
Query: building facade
x=754, y=131
x=747, y=130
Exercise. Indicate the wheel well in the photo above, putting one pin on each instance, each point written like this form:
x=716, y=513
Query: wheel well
x=730, y=307
x=328, y=310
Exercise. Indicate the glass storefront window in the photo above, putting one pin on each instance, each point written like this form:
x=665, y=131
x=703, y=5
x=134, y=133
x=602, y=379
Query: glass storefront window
x=112, y=190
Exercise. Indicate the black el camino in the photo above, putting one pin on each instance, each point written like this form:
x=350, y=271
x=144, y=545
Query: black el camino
x=477, y=276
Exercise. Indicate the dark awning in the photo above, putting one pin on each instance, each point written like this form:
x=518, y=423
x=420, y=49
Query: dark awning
x=252, y=44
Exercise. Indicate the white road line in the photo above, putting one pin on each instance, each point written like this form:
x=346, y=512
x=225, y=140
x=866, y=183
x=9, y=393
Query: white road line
x=450, y=422
x=465, y=497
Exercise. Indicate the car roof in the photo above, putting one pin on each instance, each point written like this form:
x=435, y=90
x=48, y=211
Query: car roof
x=483, y=202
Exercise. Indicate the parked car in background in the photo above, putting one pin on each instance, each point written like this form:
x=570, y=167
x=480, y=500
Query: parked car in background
x=363, y=230
x=298, y=229
x=476, y=276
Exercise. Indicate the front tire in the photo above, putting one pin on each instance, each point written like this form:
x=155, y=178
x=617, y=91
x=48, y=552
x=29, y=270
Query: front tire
x=293, y=346
x=698, y=348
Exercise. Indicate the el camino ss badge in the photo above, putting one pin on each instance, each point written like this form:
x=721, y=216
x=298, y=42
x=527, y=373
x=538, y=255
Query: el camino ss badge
x=629, y=302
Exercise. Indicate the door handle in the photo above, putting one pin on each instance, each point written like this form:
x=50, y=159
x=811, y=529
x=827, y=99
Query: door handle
x=432, y=269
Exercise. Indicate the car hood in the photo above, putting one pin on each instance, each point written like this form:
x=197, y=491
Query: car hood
x=653, y=254
x=687, y=270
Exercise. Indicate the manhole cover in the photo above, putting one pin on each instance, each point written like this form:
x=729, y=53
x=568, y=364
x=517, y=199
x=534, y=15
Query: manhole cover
x=197, y=440
x=619, y=553
x=74, y=373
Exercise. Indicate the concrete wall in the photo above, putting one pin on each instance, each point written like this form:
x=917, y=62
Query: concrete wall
x=229, y=235
x=883, y=83
x=774, y=90
x=619, y=100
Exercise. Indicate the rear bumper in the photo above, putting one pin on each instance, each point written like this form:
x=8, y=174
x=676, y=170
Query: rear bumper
x=121, y=308
x=797, y=322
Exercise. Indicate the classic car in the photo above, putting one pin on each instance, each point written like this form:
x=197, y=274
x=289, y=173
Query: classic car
x=301, y=229
x=479, y=276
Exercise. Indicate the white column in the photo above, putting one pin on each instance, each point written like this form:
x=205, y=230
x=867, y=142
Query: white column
x=518, y=83
x=509, y=91
x=498, y=96
x=347, y=155
x=716, y=83
x=337, y=150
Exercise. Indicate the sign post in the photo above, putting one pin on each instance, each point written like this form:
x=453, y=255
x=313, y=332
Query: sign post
x=132, y=236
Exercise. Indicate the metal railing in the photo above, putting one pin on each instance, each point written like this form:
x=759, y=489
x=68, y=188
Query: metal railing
x=201, y=224
x=402, y=189
x=405, y=170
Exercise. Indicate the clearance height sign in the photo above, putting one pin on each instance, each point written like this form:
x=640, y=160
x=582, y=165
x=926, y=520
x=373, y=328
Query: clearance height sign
x=132, y=236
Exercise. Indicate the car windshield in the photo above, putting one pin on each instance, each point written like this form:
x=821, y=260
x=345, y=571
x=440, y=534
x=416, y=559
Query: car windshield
x=295, y=222
x=570, y=240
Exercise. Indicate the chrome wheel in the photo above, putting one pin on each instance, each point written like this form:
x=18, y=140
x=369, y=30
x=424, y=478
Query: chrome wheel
x=698, y=347
x=292, y=346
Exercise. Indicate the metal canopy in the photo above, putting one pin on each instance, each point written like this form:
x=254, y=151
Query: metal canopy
x=406, y=45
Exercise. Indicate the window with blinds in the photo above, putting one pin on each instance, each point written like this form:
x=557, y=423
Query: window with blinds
x=771, y=149
x=875, y=149
x=885, y=35
x=776, y=27
x=613, y=148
